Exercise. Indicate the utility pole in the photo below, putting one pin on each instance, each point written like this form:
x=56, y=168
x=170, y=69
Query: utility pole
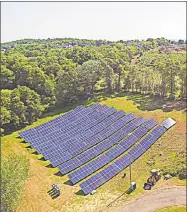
x=130, y=170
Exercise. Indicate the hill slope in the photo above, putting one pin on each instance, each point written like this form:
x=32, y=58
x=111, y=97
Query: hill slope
x=167, y=154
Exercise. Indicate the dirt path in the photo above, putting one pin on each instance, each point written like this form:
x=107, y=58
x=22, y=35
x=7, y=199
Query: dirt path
x=158, y=199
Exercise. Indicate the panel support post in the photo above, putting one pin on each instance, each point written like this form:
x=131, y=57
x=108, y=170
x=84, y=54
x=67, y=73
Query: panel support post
x=130, y=171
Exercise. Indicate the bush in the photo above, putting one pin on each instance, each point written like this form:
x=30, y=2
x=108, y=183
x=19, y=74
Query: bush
x=13, y=175
x=177, y=167
x=182, y=173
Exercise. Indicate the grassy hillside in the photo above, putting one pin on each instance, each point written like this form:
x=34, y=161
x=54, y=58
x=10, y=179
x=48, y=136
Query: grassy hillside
x=164, y=154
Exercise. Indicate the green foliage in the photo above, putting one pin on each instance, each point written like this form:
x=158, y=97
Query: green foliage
x=89, y=74
x=13, y=175
x=5, y=116
x=66, y=71
x=159, y=73
x=66, y=86
x=20, y=106
x=172, y=209
x=7, y=77
x=177, y=166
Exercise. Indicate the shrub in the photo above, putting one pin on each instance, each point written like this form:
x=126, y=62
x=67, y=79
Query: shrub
x=13, y=175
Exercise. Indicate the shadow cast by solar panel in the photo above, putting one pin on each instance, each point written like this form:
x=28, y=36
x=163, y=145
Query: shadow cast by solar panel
x=23, y=142
x=80, y=193
x=59, y=174
x=28, y=147
x=53, y=194
x=69, y=183
x=42, y=158
x=49, y=166
x=35, y=153
x=18, y=136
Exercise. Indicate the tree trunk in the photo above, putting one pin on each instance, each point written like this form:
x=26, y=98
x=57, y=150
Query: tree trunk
x=109, y=85
x=163, y=87
x=171, y=83
x=92, y=88
x=119, y=82
x=132, y=86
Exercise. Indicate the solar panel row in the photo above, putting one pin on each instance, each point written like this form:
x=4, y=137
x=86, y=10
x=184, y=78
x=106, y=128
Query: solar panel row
x=150, y=124
x=77, y=148
x=83, y=134
x=85, y=124
x=59, y=146
x=88, y=134
x=101, y=147
x=113, y=153
x=65, y=125
x=75, y=115
x=49, y=123
x=113, y=169
x=168, y=123
x=94, y=128
x=61, y=136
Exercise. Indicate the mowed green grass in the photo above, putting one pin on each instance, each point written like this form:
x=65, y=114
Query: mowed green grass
x=172, y=209
x=163, y=153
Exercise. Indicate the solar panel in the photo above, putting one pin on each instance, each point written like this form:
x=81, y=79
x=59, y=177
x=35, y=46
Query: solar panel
x=96, y=106
x=128, y=142
x=58, y=140
x=158, y=131
x=140, y=132
x=94, y=140
x=99, y=179
x=140, y=120
x=109, y=172
x=75, y=150
x=150, y=124
x=36, y=135
x=49, y=123
x=67, y=128
x=95, y=182
x=79, y=136
x=111, y=154
x=88, y=169
x=169, y=122
x=121, y=163
x=115, y=152
x=98, y=149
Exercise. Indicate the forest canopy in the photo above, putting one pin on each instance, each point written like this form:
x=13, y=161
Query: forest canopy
x=38, y=75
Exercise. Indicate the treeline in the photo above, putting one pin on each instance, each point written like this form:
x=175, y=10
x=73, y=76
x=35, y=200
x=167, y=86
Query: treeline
x=70, y=42
x=38, y=76
x=158, y=74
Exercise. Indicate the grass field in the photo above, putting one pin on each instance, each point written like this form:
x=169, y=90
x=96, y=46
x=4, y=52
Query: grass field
x=172, y=209
x=165, y=152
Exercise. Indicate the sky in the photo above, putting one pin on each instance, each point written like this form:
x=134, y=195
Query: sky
x=93, y=20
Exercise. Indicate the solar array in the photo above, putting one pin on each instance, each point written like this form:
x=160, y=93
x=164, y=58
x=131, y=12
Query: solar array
x=100, y=147
x=103, y=176
x=86, y=139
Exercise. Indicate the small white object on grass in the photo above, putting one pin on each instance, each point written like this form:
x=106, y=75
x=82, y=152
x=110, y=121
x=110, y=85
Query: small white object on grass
x=93, y=192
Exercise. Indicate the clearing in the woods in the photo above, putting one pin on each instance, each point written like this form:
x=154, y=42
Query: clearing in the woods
x=164, y=153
